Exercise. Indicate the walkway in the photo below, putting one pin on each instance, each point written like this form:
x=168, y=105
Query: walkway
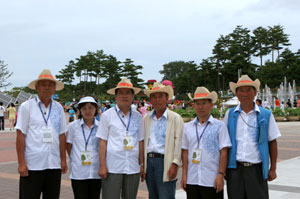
x=287, y=185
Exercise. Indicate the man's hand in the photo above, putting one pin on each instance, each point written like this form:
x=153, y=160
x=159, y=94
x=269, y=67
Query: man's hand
x=172, y=173
x=103, y=172
x=272, y=175
x=64, y=167
x=142, y=173
x=183, y=182
x=219, y=183
x=23, y=170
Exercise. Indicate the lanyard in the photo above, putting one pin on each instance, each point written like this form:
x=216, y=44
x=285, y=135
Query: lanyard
x=86, y=140
x=248, y=123
x=46, y=120
x=127, y=127
x=197, y=134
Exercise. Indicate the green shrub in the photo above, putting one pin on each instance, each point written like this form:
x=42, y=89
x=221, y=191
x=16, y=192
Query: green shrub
x=278, y=112
x=215, y=112
x=292, y=111
x=191, y=113
x=186, y=113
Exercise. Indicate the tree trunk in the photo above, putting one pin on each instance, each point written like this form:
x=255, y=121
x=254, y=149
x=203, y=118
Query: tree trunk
x=260, y=60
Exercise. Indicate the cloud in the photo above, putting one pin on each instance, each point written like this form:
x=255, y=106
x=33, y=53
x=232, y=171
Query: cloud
x=48, y=34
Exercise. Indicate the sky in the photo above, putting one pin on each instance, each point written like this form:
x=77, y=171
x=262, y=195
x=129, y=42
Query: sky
x=35, y=34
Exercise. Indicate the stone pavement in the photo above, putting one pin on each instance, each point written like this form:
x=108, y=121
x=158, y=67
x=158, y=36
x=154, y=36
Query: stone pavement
x=287, y=184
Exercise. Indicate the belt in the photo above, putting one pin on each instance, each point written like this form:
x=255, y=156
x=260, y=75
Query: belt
x=155, y=155
x=247, y=164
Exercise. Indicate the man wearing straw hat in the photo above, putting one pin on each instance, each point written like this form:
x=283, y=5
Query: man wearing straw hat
x=121, y=133
x=163, y=134
x=41, y=141
x=204, y=150
x=253, y=133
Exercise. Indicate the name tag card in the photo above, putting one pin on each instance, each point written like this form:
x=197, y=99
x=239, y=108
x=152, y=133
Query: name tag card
x=86, y=158
x=128, y=142
x=47, y=134
x=196, y=156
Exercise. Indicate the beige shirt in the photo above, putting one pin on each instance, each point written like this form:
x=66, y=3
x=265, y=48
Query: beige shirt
x=172, y=141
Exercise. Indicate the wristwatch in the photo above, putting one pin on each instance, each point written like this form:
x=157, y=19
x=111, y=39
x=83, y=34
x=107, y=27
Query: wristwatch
x=222, y=173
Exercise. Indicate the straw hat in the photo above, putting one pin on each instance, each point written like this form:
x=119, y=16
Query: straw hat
x=124, y=83
x=46, y=75
x=244, y=81
x=87, y=99
x=160, y=88
x=203, y=93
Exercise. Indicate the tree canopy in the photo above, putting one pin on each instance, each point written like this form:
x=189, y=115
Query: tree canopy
x=4, y=75
x=95, y=72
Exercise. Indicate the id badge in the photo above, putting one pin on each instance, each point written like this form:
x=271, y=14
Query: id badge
x=86, y=158
x=47, y=134
x=196, y=156
x=128, y=142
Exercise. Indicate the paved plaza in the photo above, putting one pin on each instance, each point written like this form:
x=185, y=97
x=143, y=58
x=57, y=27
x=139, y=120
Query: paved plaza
x=287, y=184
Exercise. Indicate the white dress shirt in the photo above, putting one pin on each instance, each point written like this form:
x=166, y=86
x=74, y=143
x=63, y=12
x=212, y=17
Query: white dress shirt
x=38, y=154
x=76, y=138
x=247, y=147
x=158, y=133
x=111, y=129
x=214, y=139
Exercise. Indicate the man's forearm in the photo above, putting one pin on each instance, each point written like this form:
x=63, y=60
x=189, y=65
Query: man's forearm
x=20, y=147
x=141, y=152
x=273, y=153
x=223, y=160
x=62, y=147
x=184, y=158
x=102, y=152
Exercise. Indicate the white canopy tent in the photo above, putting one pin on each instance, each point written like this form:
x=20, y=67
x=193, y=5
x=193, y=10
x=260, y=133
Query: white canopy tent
x=232, y=102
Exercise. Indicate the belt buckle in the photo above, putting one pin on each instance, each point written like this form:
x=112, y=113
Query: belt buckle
x=151, y=155
x=247, y=164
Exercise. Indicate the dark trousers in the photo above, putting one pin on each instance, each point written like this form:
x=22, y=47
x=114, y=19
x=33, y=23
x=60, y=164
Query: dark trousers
x=71, y=119
x=1, y=122
x=86, y=189
x=246, y=183
x=201, y=192
x=37, y=182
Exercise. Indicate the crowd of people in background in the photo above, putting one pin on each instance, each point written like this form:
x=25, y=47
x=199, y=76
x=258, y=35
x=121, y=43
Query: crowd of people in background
x=282, y=106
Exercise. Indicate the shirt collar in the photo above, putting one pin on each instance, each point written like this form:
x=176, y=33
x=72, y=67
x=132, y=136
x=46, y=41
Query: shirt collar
x=37, y=99
x=119, y=110
x=210, y=120
x=239, y=108
x=83, y=124
x=165, y=114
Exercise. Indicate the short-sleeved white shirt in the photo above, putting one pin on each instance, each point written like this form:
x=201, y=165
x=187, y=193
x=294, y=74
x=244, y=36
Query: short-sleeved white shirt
x=76, y=138
x=40, y=155
x=2, y=110
x=111, y=129
x=158, y=133
x=214, y=139
x=247, y=147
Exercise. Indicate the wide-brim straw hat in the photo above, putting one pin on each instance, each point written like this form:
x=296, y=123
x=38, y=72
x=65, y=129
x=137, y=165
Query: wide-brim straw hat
x=124, y=83
x=160, y=88
x=244, y=81
x=203, y=93
x=88, y=99
x=46, y=75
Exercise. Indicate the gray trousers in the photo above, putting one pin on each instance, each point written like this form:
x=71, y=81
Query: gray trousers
x=116, y=186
